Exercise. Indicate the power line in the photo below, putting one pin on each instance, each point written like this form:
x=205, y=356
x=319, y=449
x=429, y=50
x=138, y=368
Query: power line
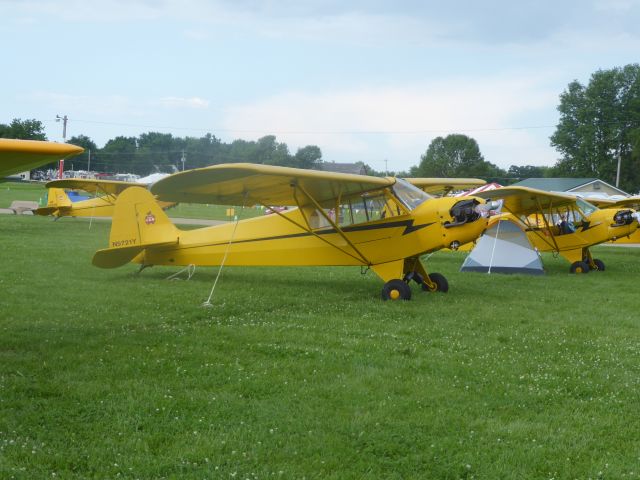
x=343, y=132
x=315, y=132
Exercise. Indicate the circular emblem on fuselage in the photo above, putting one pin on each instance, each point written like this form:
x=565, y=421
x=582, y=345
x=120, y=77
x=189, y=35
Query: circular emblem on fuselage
x=150, y=219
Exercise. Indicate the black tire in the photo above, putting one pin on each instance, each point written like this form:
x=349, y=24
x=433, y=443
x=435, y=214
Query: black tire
x=579, y=267
x=599, y=264
x=441, y=283
x=396, y=290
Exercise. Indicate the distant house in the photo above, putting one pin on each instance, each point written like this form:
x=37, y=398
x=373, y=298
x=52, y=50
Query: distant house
x=357, y=168
x=586, y=186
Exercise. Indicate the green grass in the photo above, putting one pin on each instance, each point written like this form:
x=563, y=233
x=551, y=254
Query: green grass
x=10, y=191
x=306, y=373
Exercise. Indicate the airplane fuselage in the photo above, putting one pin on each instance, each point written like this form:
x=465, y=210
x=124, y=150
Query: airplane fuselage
x=286, y=240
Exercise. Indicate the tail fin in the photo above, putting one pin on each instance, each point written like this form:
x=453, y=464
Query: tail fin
x=138, y=222
x=57, y=199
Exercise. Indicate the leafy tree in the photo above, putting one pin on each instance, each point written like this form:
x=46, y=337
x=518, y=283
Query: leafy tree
x=520, y=172
x=599, y=123
x=203, y=151
x=158, y=152
x=455, y=155
x=119, y=156
x=307, y=157
x=23, y=130
x=270, y=152
x=81, y=162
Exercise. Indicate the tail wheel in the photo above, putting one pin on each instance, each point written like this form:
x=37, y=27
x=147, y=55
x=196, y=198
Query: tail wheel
x=599, y=264
x=441, y=284
x=579, y=267
x=396, y=290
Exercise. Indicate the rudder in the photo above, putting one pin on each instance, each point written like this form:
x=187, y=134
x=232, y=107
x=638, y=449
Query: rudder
x=138, y=222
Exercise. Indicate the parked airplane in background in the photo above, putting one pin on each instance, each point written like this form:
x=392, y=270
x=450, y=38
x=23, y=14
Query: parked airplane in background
x=629, y=202
x=341, y=219
x=565, y=224
x=61, y=203
x=21, y=155
x=440, y=187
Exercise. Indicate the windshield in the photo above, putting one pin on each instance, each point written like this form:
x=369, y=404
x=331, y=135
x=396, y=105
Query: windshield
x=586, y=207
x=410, y=195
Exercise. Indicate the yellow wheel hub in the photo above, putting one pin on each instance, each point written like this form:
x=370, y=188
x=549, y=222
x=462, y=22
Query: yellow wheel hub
x=394, y=294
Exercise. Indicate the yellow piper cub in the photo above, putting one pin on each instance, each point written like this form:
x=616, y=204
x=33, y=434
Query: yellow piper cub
x=565, y=224
x=629, y=202
x=340, y=219
x=105, y=193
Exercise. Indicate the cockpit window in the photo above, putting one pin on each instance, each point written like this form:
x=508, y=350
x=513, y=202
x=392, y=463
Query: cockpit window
x=586, y=208
x=410, y=195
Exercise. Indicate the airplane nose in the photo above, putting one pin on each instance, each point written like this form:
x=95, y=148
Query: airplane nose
x=462, y=212
x=466, y=224
x=624, y=217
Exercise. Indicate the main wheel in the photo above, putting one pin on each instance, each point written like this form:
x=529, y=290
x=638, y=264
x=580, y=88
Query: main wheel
x=396, y=290
x=579, y=267
x=599, y=264
x=441, y=283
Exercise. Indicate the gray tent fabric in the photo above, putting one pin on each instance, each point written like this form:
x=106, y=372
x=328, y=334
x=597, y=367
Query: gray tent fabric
x=503, y=248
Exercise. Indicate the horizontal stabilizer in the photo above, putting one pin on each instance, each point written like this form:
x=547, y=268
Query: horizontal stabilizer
x=115, y=257
x=45, y=211
x=119, y=256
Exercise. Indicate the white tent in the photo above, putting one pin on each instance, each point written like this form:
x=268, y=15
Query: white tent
x=503, y=248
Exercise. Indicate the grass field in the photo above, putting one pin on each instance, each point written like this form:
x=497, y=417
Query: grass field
x=305, y=373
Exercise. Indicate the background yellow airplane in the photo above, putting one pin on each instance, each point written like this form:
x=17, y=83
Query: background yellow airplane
x=382, y=223
x=564, y=224
x=440, y=187
x=105, y=193
x=21, y=155
x=629, y=202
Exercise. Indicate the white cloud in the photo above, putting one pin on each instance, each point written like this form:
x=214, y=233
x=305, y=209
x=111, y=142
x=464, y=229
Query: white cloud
x=387, y=122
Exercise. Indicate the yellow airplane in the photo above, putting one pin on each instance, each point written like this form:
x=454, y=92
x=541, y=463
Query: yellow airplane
x=629, y=202
x=21, y=155
x=441, y=187
x=341, y=219
x=565, y=224
x=105, y=193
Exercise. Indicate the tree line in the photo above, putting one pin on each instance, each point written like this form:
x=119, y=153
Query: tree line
x=599, y=129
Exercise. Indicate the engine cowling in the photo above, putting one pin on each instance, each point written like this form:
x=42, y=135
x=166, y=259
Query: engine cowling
x=462, y=212
x=623, y=217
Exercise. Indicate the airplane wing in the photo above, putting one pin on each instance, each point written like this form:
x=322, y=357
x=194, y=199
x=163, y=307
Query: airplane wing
x=525, y=201
x=600, y=202
x=443, y=186
x=629, y=202
x=110, y=187
x=251, y=184
x=22, y=155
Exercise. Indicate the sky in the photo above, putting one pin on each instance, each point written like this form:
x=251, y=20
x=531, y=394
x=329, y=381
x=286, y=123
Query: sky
x=373, y=81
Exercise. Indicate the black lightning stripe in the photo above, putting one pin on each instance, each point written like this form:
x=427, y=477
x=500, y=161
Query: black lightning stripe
x=408, y=225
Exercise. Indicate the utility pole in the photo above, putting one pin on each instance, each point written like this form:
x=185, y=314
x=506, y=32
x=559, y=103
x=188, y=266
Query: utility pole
x=618, y=172
x=64, y=126
x=386, y=168
x=183, y=159
x=89, y=161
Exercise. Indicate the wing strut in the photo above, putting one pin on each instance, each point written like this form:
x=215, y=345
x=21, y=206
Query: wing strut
x=307, y=228
x=546, y=224
x=535, y=231
x=334, y=225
